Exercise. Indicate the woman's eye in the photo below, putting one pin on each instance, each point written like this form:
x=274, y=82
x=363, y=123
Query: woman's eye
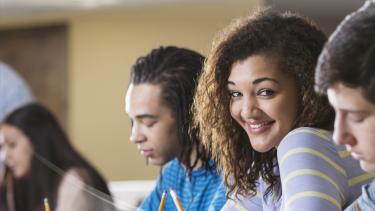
x=234, y=94
x=265, y=92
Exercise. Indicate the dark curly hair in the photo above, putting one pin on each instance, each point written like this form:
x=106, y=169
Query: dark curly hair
x=175, y=70
x=349, y=55
x=296, y=43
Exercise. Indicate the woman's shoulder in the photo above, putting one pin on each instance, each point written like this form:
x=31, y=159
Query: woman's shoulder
x=72, y=185
x=77, y=177
x=307, y=137
x=308, y=140
x=310, y=131
x=75, y=192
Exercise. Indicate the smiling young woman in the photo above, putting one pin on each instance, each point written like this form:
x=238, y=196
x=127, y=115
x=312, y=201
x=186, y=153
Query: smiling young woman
x=263, y=122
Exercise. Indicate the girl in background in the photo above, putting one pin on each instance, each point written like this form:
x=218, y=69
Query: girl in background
x=41, y=163
x=14, y=93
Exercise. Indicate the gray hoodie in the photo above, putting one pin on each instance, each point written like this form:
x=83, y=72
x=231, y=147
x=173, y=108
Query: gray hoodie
x=13, y=91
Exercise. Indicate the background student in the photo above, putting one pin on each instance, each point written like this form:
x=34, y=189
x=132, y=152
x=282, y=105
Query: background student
x=41, y=163
x=346, y=73
x=14, y=93
x=158, y=102
x=258, y=113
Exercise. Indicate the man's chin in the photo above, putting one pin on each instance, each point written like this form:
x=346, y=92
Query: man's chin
x=156, y=162
x=368, y=167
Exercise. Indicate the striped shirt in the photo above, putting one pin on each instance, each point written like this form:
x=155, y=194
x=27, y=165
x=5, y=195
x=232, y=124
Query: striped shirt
x=202, y=191
x=315, y=175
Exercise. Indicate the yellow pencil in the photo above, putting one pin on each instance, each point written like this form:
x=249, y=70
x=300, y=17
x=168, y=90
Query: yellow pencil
x=162, y=201
x=175, y=200
x=46, y=205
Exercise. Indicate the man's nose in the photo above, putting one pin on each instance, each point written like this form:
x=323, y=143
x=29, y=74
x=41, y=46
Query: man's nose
x=136, y=135
x=341, y=133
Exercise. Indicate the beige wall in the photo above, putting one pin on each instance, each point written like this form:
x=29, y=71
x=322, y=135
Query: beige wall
x=102, y=47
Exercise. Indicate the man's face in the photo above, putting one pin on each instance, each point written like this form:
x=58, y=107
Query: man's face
x=354, y=123
x=154, y=128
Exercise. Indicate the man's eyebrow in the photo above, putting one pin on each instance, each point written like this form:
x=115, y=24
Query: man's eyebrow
x=149, y=116
x=353, y=111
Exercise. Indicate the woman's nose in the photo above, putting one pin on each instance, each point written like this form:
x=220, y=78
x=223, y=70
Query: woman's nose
x=249, y=108
x=2, y=155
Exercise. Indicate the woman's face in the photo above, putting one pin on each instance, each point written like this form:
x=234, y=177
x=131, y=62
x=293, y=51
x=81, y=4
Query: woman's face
x=263, y=100
x=16, y=150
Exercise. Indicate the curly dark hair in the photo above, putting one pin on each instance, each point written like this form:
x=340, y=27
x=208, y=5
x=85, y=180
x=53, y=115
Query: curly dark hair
x=176, y=71
x=349, y=55
x=296, y=43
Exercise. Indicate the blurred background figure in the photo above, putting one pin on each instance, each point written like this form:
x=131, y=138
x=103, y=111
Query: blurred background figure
x=41, y=163
x=14, y=93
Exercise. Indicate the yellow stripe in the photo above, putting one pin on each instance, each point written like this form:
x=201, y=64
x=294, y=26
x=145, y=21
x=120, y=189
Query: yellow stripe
x=237, y=206
x=321, y=133
x=344, y=154
x=312, y=194
x=258, y=195
x=302, y=172
x=313, y=152
x=361, y=178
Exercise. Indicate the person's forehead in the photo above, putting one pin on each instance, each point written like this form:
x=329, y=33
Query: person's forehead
x=345, y=97
x=144, y=98
x=6, y=132
x=145, y=93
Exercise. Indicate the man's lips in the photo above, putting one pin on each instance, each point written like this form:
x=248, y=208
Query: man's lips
x=356, y=155
x=146, y=152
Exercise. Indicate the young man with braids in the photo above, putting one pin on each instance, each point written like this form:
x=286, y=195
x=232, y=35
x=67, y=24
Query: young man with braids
x=158, y=102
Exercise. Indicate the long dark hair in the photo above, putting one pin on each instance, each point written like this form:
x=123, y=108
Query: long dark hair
x=295, y=43
x=176, y=71
x=49, y=143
